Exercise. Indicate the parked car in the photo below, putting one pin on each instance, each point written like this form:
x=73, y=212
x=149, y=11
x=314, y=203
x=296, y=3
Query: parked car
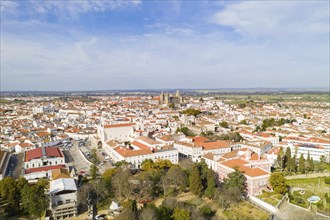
x=100, y=217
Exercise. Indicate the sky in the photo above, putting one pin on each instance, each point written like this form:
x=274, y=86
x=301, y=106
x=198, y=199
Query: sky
x=102, y=45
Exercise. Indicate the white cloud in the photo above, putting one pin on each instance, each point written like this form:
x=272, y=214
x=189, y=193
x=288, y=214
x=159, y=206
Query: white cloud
x=275, y=18
x=65, y=8
x=157, y=61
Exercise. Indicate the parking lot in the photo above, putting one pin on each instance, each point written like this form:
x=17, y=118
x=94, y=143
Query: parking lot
x=15, y=164
x=105, y=163
x=74, y=158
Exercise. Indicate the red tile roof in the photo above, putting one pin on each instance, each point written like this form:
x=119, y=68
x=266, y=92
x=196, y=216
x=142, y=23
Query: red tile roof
x=37, y=153
x=119, y=125
x=39, y=169
x=252, y=172
x=209, y=145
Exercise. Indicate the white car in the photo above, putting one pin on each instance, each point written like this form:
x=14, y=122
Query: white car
x=100, y=217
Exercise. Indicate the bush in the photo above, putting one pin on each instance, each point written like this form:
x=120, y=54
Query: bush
x=327, y=180
x=207, y=212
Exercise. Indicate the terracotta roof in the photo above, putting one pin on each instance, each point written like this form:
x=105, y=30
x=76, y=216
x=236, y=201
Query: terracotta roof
x=60, y=173
x=38, y=153
x=148, y=140
x=231, y=154
x=42, y=134
x=209, y=145
x=39, y=169
x=119, y=125
x=199, y=139
x=125, y=152
x=26, y=144
x=140, y=145
x=252, y=172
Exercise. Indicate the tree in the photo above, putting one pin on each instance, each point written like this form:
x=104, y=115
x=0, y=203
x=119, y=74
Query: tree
x=107, y=177
x=191, y=111
x=243, y=122
x=93, y=168
x=280, y=159
x=287, y=158
x=175, y=177
x=163, y=164
x=148, y=164
x=129, y=211
x=164, y=213
x=207, y=212
x=209, y=192
x=235, y=179
x=308, y=163
x=224, y=124
x=34, y=200
x=181, y=214
x=122, y=183
x=195, y=184
x=228, y=196
x=301, y=167
x=277, y=181
x=148, y=213
x=322, y=163
x=91, y=192
x=10, y=193
x=186, y=131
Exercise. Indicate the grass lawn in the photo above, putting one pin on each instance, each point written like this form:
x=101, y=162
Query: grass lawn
x=312, y=187
x=270, y=197
x=246, y=211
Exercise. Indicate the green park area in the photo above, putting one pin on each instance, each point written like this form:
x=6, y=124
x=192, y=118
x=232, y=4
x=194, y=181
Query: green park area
x=299, y=191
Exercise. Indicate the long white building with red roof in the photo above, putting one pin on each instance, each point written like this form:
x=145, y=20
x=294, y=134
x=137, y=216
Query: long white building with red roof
x=141, y=149
x=39, y=162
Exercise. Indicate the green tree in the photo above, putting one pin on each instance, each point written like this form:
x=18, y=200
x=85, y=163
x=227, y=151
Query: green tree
x=186, y=131
x=287, y=158
x=308, y=163
x=224, y=124
x=163, y=164
x=280, y=159
x=229, y=196
x=35, y=200
x=93, y=168
x=176, y=176
x=191, y=111
x=235, y=179
x=148, y=213
x=322, y=163
x=210, y=190
x=277, y=181
x=301, y=167
x=195, y=183
x=148, y=164
x=10, y=193
x=312, y=166
x=181, y=214
x=107, y=178
x=243, y=122
x=164, y=213
x=129, y=211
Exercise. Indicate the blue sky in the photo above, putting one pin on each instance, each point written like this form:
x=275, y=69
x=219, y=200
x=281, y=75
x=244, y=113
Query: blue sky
x=89, y=45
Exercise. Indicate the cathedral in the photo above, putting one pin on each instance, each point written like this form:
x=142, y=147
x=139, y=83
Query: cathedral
x=166, y=98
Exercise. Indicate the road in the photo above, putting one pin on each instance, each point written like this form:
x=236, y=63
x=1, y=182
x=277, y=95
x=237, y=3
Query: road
x=100, y=158
x=74, y=158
